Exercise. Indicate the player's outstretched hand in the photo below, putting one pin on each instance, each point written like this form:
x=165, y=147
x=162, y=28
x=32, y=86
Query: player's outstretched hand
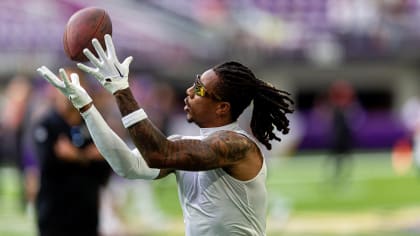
x=71, y=89
x=112, y=74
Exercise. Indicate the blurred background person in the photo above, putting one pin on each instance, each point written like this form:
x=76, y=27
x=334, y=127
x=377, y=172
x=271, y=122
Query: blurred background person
x=410, y=115
x=72, y=173
x=341, y=99
x=36, y=108
x=13, y=121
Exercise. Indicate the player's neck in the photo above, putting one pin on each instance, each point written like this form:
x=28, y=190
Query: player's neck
x=207, y=131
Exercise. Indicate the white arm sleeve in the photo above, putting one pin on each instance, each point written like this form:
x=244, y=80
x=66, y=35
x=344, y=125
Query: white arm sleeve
x=125, y=162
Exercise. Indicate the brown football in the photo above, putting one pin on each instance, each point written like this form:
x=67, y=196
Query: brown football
x=83, y=26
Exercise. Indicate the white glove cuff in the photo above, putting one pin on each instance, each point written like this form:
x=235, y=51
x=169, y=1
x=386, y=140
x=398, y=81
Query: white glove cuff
x=116, y=83
x=80, y=101
x=133, y=118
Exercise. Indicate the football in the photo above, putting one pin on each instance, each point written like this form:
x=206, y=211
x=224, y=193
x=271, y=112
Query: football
x=83, y=26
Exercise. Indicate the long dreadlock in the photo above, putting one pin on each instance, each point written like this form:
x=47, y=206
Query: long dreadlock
x=239, y=86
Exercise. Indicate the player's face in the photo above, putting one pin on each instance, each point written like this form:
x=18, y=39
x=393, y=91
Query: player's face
x=201, y=101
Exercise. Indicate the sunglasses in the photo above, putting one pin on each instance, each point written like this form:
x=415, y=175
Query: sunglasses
x=201, y=91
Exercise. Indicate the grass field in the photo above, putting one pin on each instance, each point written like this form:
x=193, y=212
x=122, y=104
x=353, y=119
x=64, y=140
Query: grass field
x=304, y=201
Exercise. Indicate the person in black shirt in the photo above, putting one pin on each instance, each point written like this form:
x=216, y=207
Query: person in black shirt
x=342, y=100
x=72, y=173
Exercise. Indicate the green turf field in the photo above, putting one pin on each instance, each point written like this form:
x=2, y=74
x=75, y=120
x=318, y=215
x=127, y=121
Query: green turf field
x=304, y=201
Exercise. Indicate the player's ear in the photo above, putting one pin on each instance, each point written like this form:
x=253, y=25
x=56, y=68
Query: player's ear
x=223, y=108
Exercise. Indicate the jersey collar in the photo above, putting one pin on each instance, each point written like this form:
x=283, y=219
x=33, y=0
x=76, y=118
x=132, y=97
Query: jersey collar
x=205, y=132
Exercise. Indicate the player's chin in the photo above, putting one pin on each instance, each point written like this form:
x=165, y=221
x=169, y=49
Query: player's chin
x=187, y=113
x=189, y=118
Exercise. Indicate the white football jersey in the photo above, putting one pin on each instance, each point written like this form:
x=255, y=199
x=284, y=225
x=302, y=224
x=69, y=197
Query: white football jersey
x=214, y=203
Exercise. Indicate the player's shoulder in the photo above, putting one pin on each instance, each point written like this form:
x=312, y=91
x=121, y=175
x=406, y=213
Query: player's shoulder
x=231, y=137
x=237, y=139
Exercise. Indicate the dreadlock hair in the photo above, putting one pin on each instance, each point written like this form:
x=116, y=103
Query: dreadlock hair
x=239, y=86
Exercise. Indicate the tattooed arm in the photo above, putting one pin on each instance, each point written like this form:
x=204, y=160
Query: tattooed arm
x=222, y=149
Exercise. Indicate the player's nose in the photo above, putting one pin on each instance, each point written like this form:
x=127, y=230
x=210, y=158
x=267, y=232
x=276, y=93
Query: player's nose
x=190, y=91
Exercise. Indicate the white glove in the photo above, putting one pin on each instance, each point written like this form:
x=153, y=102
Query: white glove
x=109, y=71
x=71, y=89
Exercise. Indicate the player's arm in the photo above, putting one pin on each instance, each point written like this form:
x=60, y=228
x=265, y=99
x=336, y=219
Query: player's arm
x=221, y=149
x=125, y=162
